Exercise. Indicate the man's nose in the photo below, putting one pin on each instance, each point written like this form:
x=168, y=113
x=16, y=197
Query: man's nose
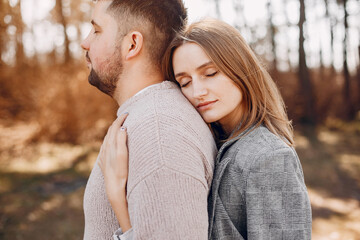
x=85, y=44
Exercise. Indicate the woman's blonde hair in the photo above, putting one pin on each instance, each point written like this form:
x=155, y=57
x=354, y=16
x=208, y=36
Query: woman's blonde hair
x=262, y=102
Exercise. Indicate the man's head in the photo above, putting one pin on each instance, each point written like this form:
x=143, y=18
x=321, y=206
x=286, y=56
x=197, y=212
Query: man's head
x=127, y=30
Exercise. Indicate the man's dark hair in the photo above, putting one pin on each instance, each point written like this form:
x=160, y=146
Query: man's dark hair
x=157, y=20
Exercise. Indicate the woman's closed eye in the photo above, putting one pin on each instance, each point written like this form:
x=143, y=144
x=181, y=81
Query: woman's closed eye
x=211, y=74
x=210, y=71
x=184, y=81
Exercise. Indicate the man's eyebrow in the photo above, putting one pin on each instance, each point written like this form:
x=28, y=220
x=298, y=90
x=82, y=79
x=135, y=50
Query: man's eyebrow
x=198, y=68
x=94, y=23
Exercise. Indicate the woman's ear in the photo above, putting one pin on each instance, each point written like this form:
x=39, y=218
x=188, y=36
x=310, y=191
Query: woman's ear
x=135, y=44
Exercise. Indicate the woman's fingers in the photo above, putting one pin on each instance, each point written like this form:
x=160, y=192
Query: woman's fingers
x=102, y=159
x=121, y=119
x=120, y=164
x=115, y=127
x=121, y=143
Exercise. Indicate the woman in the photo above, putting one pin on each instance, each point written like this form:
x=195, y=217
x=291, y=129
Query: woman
x=258, y=189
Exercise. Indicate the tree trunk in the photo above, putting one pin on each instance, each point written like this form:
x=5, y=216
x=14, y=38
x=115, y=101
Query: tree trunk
x=217, y=8
x=349, y=108
x=358, y=82
x=272, y=34
x=288, y=50
x=242, y=27
x=331, y=22
x=20, y=54
x=304, y=75
x=2, y=30
x=60, y=13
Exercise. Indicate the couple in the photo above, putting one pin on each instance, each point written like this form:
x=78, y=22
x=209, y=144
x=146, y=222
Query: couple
x=205, y=155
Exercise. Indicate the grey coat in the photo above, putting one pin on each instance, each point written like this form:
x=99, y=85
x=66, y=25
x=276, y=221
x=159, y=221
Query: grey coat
x=258, y=191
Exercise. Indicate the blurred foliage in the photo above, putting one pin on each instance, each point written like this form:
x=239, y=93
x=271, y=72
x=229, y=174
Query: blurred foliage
x=52, y=121
x=50, y=88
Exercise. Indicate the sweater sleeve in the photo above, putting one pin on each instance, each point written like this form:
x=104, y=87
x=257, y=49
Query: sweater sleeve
x=277, y=202
x=119, y=235
x=168, y=185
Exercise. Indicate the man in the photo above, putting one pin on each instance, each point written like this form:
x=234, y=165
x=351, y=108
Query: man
x=171, y=150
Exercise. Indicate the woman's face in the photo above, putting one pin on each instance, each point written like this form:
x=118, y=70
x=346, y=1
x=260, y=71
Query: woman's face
x=214, y=95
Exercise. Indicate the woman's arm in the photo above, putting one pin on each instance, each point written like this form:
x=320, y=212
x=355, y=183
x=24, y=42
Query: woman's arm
x=277, y=202
x=114, y=166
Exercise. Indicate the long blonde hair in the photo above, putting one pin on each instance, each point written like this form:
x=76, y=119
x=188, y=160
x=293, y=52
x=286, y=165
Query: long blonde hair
x=262, y=102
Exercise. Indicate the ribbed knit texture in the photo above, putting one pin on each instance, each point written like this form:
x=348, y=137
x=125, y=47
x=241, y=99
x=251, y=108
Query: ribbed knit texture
x=171, y=160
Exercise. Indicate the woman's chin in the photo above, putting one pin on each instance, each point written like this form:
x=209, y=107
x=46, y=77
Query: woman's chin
x=209, y=119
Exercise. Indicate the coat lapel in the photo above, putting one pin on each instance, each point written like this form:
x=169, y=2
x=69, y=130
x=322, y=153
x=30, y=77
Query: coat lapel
x=220, y=166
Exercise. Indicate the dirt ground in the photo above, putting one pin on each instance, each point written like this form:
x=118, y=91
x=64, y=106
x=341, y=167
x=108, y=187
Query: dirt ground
x=42, y=184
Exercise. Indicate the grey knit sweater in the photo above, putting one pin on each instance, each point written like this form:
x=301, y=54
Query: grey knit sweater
x=171, y=160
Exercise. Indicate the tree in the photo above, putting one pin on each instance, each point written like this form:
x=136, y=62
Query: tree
x=272, y=34
x=349, y=108
x=217, y=8
x=19, y=24
x=358, y=82
x=2, y=30
x=288, y=24
x=332, y=25
x=306, y=88
x=62, y=20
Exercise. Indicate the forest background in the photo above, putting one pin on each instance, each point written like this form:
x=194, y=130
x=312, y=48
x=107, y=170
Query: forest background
x=52, y=121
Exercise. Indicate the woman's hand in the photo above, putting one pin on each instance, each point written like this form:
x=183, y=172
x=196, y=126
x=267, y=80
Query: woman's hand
x=114, y=166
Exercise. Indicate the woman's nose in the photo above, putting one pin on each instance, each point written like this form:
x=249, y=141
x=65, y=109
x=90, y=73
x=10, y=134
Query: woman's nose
x=200, y=89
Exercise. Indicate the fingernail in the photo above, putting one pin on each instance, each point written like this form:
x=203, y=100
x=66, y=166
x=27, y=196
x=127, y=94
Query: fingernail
x=125, y=113
x=123, y=129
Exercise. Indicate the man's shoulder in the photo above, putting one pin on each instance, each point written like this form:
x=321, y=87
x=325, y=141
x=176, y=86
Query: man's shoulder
x=166, y=101
x=166, y=106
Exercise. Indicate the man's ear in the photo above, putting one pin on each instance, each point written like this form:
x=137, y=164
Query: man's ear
x=135, y=44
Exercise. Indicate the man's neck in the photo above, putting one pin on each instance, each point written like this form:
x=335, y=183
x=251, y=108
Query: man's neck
x=133, y=82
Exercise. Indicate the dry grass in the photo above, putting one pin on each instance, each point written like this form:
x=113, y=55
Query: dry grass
x=42, y=184
x=53, y=123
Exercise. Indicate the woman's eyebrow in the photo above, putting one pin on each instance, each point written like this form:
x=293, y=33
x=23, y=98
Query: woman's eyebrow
x=204, y=65
x=198, y=68
x=180, y=74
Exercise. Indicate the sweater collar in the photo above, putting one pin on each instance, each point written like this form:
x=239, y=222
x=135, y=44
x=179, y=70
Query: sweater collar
x=145, y=91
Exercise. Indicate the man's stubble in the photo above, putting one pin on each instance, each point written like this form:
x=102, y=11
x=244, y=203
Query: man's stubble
x=107, y=77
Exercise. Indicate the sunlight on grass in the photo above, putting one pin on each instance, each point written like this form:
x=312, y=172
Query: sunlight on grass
x=351, y=164
x=301, y=141
x=46, y=158
x=43, y=183
x=328, y=137
x=334, y=204
x=339, y=219
x=46, y=206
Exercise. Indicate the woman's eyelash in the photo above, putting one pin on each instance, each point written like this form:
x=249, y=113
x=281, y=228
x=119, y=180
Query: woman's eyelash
x=212, y=74
x=184, y=85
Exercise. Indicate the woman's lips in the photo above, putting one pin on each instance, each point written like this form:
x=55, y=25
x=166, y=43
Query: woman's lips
x=205, y=105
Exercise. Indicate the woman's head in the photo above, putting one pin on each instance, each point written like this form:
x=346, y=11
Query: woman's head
x=214, y=63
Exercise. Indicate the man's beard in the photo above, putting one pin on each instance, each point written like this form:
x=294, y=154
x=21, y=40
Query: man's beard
x=106, y=79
